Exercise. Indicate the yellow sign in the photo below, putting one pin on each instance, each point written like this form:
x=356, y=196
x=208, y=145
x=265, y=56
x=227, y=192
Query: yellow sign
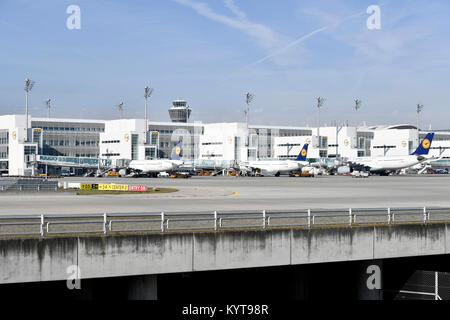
x=37, y=130
x=426, y=143
x=14, y=135
x=121, y=187
x=127, y=137
x=88, y=186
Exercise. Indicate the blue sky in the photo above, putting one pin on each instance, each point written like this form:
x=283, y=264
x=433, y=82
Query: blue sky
x=211, y=52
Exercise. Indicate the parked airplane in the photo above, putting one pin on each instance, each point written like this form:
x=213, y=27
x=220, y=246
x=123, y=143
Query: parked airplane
x=385, y=165
x=277, y=167
x=159, y=165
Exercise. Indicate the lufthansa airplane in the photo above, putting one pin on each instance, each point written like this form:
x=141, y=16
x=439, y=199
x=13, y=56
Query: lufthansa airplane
x=389, y=164
x=159, y=165
x=277, y=167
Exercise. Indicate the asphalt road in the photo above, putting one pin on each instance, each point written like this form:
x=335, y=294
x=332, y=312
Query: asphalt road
x=240, y=193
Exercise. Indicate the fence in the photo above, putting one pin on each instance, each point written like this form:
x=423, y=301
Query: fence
x=23, y=184
x=58, y=225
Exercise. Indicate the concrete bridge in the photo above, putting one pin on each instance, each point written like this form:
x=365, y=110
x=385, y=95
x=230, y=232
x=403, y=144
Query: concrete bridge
x=150, y=255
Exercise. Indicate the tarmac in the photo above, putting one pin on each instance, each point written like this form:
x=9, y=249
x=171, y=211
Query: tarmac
x=239, y=193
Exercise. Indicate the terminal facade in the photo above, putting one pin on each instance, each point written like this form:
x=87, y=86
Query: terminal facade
x=32, y=146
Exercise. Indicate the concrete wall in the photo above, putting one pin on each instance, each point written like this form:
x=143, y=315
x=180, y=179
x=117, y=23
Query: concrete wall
x=48, y=259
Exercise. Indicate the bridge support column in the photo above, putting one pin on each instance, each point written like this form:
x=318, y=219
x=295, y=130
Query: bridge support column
x=143, y=288
x=370, y=280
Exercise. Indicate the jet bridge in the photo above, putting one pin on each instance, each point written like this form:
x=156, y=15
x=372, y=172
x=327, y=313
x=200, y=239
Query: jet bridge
x=76, y=162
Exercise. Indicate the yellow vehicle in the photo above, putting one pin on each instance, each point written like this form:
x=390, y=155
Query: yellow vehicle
x=113, y=173
x=300, y=174
x=204, y=173
x=179, y=175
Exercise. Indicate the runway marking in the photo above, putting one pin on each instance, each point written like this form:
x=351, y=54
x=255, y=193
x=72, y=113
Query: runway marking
x=234, y=194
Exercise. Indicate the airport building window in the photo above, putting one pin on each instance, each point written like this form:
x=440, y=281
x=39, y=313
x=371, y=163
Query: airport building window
x=154, y=138
x=4, y=137
x=4, y=152
x=289, y=145
x=134, y=146
x=237, y=146
x=361, y=143
x=29, y=150
x=110, y=154
x=150, y=153
x=212, y=155
x=323, y=142
x=211, y=143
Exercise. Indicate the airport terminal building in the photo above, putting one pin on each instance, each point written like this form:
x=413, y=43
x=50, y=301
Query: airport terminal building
x=34, y=145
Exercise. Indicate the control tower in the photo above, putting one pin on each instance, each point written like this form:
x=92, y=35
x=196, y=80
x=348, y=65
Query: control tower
x=180, y=111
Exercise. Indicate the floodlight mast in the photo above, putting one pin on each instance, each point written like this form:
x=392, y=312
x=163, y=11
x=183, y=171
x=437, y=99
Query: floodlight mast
x=47, y=102
x=28, y=87
x=357, y=106
x=418, y=110
x=320, y=102
x=248, y=99
x=120, y=106
x=147, y=92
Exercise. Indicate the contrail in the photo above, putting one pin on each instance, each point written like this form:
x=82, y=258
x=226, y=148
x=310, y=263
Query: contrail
x=303, y=38
x=293, y=43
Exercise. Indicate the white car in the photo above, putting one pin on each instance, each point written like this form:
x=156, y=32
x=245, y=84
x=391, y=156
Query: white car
x=163, y=175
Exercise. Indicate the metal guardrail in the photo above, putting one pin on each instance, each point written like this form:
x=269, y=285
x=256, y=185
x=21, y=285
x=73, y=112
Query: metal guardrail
x=29, y=187
x=162, y=222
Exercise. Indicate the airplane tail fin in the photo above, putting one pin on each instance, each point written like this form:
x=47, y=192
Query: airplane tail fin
x=303, y=153
x=177, y=151
x=424, y=146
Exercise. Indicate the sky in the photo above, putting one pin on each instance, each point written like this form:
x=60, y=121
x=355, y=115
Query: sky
x=210, y=52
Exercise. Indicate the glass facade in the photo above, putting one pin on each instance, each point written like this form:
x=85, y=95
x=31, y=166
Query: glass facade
x=134, y=146
x=72, y=139
x=4, y=144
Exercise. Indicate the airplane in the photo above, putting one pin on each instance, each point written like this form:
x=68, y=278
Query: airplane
x=153, y=167
x=385, y=165
x=277, y=167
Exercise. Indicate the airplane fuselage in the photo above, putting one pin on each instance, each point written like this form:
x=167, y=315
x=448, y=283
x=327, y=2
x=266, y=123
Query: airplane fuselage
x=154, y=166
x=276, y=167
x=389, y=163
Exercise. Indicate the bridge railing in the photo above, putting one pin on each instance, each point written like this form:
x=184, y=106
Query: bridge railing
x=48, y=225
